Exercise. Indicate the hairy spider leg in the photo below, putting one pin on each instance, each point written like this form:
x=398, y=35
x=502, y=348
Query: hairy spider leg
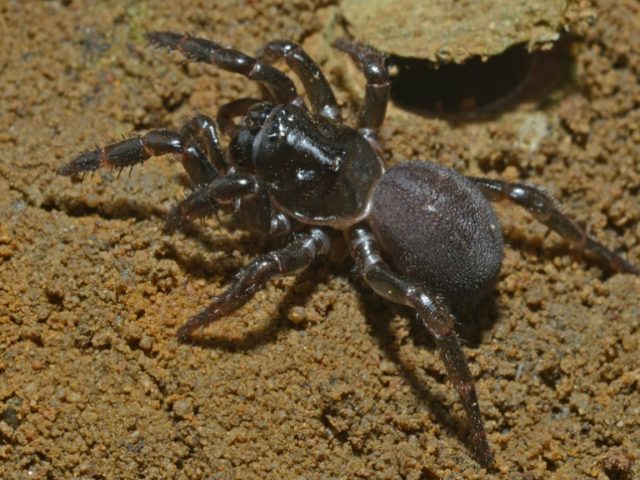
x=206, y=51
x=197, y=132
x=315, y=83
x=371, y=63
x=291, y=259
x=543, y=208
x=437, y=319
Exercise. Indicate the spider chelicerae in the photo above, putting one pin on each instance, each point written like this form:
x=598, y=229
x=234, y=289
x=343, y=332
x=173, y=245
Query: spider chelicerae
x=420, y=234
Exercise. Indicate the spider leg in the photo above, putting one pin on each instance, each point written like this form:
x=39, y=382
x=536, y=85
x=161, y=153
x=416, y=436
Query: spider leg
x=371, y=62
x=437, y=319
x=315, y=83
x=543, y=208
x=202, y=50
x=245, y=191
x=197, y=135
x=201, y=134
x=232, y=109
x=206, y=198
x=293, y=258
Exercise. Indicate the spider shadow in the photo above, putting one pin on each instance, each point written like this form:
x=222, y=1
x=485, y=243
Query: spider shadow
x=115, y=209
x=379, y=315
x=197, y=265
x=297, y=294
x=543, y=252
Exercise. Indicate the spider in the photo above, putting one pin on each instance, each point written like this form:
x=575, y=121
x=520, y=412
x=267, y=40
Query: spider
x=420, y=234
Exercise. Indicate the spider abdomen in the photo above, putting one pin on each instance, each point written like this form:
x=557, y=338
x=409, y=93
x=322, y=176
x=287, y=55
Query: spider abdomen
x=438, y=229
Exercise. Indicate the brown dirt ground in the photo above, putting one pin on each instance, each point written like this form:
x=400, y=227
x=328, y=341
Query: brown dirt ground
x=316, y=377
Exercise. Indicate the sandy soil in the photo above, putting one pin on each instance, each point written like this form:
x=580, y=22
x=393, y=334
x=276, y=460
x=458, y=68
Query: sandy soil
x=316, y=377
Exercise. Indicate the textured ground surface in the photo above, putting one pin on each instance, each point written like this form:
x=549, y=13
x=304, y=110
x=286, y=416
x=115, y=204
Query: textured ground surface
x=454, y=30
x=316, y=377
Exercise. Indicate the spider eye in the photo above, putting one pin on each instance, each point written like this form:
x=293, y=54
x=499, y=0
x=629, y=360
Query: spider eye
x=337, y=161
x=306, y=175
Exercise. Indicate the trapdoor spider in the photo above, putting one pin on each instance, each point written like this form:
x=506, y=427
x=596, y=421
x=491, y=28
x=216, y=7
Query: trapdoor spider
x=302, y=173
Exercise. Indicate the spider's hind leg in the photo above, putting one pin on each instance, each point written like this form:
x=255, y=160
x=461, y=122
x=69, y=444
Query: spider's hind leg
x=437, y=319
x=544, y=209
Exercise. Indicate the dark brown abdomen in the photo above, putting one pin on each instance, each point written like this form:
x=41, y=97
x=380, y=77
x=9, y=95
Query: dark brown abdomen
x=438, y=229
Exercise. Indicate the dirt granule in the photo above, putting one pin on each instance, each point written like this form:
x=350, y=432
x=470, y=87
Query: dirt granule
x=316, y=377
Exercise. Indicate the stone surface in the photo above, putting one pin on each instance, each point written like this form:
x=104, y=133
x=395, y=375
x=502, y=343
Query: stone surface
x=455, y=30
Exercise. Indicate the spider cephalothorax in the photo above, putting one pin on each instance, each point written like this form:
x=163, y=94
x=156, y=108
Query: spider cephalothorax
x=293, y=171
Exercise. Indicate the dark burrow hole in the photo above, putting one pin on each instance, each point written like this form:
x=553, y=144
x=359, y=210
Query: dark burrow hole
x=476, y=86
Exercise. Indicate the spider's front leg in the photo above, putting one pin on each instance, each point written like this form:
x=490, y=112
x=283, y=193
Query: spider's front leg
x=207, y=198
x=291, y=259
x=543, y=208
x=372, y=64
x=197, y=145
x=315, y=83
x=203, y=50
x=241, y=189
x=232, y=109
x=437, y=319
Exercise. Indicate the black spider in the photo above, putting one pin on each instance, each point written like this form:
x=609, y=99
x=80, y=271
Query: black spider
x=293, y=172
